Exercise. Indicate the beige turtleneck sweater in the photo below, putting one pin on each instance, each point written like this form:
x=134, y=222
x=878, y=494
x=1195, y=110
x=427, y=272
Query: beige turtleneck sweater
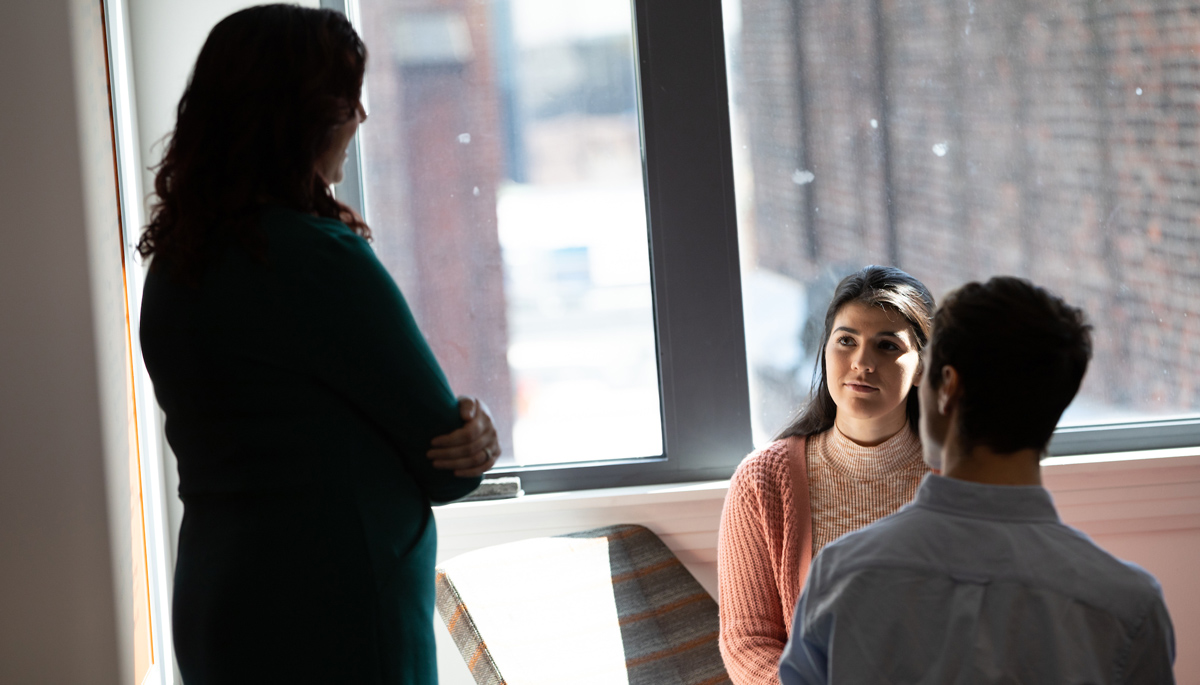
x=850, y=485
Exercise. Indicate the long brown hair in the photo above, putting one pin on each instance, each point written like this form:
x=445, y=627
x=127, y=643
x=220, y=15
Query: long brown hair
x=874, y=286
x=269, y=87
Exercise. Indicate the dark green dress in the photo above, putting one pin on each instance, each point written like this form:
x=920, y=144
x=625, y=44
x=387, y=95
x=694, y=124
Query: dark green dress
x=300, y=400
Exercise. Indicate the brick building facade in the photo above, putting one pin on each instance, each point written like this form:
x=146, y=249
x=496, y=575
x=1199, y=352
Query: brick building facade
x=433, y=159
x=1056, y=140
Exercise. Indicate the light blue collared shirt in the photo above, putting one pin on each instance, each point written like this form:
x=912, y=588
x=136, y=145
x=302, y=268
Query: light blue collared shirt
x=972, y=583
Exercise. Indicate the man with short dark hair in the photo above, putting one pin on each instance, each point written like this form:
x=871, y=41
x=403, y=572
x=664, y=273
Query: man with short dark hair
x=977, y=580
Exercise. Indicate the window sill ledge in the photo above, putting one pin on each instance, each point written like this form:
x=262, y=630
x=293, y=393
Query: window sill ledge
x=1125, y=492
x=1052, y=468
x=605, y=497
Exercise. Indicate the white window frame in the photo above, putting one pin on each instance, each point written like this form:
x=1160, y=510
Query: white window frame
x=159, y=555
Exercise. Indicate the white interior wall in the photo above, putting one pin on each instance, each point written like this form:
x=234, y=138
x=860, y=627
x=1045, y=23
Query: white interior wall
x=166, y=38
x=63, y=607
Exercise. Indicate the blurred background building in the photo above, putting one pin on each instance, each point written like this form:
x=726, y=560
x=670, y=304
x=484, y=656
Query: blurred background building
x=504, y=185
x=1055, y=140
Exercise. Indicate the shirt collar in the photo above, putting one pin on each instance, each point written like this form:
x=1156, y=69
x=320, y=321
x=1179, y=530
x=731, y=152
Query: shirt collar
x=1028, y=503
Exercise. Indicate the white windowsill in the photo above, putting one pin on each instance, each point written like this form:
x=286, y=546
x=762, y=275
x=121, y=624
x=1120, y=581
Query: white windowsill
x=601, y=497
x=674, y=492
x=1118, y=493
x=1137, y=455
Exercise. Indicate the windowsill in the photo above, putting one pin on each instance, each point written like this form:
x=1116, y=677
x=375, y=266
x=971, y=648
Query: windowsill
x=604, y=497
x=1053, y=467
x=1116, y=493
x=1108, y=457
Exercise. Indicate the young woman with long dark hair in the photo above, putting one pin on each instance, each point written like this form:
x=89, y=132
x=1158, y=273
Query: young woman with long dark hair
x=851, y=456
x=312, y=424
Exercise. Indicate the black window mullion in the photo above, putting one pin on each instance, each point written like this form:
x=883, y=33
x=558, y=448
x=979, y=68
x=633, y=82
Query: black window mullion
x=694, y=255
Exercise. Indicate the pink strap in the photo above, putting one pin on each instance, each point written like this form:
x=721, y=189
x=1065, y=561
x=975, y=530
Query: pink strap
x=802, y=516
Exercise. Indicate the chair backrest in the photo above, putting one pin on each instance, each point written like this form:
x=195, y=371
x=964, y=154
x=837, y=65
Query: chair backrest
x=611, y=605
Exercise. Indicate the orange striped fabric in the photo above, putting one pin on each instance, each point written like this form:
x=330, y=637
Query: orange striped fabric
x=698, y=597
x=668, y=623
x=466, y=636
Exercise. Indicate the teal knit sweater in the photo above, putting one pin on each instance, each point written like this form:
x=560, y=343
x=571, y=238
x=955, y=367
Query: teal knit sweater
x=301, y=375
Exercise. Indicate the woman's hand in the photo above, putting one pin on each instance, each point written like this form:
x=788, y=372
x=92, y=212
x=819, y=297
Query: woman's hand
x=472, y=449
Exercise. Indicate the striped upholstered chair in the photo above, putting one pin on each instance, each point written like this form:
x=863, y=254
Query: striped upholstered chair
x=611, y=605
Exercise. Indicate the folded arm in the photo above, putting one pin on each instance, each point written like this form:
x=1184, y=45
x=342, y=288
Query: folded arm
x=369, y=348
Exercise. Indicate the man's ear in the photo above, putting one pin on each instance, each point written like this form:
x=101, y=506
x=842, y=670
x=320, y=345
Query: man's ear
x=950, y=391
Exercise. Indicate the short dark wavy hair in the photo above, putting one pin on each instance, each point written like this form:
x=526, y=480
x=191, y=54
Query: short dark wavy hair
x=269, y=88
x=875, y=286
x=1021, y=353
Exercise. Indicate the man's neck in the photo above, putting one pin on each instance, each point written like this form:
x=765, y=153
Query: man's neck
x=981, y=464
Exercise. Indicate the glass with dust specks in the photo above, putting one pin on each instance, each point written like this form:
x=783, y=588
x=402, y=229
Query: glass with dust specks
x=1053, y=140
x=503, y=181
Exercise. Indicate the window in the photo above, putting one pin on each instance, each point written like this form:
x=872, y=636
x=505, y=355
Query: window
x=148, y=538
x=523, y=190
x=503, y=180
x=1053, y=140
x=956, y=142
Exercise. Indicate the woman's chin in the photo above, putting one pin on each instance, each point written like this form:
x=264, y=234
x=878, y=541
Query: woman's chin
x=868, y=410
x=863, y=407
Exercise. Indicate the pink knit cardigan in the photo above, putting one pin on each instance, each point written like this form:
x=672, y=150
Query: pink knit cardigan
x=763, y=553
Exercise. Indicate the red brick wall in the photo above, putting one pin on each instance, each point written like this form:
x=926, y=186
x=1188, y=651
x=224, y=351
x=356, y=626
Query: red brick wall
x=431, y=199
x=1055, y=167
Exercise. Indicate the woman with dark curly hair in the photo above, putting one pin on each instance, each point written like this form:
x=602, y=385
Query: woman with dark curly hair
x=312, y=425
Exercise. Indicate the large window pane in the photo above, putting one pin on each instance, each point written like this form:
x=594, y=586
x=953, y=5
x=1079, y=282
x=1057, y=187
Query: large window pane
x=503, y=181
x=1055, y=140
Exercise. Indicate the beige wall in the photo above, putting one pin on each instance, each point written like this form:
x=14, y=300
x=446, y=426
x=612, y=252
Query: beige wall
x=64, y=612
x=1147, y=512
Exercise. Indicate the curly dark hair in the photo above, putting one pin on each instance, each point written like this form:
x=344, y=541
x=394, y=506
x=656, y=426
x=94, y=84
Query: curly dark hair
x=271, y=85
x=874, y=286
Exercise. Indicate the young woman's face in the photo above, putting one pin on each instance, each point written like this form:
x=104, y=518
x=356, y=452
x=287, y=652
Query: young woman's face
x=329, y=164
x=871, y=363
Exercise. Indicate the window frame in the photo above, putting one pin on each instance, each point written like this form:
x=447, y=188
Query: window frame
x=695, y=276
x=684, y=111
x=1126, y=436
x=148, y=435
